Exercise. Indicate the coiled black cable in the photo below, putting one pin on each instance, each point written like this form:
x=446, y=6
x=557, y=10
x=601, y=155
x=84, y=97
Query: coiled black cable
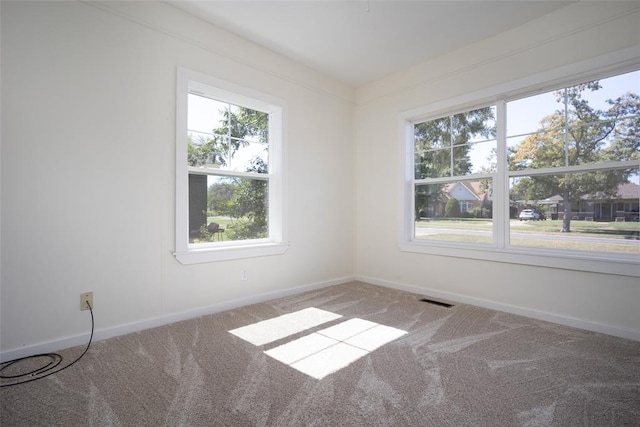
x=54, y=360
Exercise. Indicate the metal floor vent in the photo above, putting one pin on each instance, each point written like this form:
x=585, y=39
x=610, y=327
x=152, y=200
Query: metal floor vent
x=434, y=302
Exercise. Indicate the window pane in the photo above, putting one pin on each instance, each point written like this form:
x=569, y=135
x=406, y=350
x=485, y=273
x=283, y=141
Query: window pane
x=433, y=164
x=201, y=151
x=459, y=211
x=591, y=211
x=473, y=126
x=538, y=150
x=483, y=156
x=226, y=136
x=456, y=145
x=248, y=124
x=204, y=114
x=432, y=134
x=583, y=124
x=227, y=208
x=249, y=157
x=612, y=88
x=524, y=116
x=249, y=150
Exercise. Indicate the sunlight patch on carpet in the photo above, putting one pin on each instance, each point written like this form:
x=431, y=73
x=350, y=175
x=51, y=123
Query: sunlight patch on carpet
x=323, y=352
x=270, y=330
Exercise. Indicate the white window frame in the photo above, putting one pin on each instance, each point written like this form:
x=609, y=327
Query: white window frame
x=618, y=62
x=222, y=90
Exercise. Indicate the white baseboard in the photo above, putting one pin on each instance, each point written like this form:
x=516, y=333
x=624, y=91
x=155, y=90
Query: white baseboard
x=102, y=334
x=616, y=331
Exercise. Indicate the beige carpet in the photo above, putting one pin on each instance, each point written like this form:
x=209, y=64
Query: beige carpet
x=458, y=366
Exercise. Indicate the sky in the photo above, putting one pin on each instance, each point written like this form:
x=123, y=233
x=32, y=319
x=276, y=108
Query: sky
x=524, y=115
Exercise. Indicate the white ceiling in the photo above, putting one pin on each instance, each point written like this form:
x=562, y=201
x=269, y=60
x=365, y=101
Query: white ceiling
x=360, y=41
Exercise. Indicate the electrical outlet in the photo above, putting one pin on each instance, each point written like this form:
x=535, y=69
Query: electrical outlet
x=85, y=298
x=244, y=276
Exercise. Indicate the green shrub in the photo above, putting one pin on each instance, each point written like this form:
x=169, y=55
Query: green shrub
x=243, y=229
x=452, y=208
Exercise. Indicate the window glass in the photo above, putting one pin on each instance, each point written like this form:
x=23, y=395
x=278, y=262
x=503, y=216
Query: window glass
x=591, y=211
x=594, y=123
x=236, y=209
x=583, y=124
x=226, y=137
x=456, y=211
x=460, y=144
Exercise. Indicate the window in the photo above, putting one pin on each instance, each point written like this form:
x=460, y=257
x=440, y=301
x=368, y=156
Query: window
x=465, y=206
x=569, y=158
x=229, y=198
x=453, y=177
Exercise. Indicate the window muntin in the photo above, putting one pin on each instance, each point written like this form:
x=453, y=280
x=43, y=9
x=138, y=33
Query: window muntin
x=455, y=145
x=229, y=198
x=571, y=132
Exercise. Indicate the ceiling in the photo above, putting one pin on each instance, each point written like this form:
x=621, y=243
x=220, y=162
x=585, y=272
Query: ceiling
x=360, y=41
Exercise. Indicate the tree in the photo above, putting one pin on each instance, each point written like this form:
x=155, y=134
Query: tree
x=578, y=134
x=428, y=195
x=452, y=208
x=249, y=205
x=204, y=151
x=442, y=149
x=220, y=197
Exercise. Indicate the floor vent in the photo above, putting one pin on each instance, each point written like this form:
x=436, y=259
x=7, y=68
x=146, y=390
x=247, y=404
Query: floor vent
x=441, y=304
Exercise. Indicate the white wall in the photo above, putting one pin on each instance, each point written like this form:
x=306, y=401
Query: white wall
x=88, y=146
x=579, y=32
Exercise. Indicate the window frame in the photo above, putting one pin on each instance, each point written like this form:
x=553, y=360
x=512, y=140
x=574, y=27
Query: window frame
x=276, y=242
x=618, y=62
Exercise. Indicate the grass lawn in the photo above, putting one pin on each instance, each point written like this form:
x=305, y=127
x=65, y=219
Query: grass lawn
x=610, y=230
x=620, y=237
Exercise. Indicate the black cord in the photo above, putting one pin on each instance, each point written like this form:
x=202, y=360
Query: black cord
x=54, y=360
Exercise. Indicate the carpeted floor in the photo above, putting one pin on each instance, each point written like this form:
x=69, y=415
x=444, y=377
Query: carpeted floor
x=458, y=366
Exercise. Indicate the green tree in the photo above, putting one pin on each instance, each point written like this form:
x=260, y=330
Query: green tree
x=578, y=134
x=205, y=151
x=452, y=208
x=220, y=197
x=428, y=195
x=442, y=149
x=250, y=205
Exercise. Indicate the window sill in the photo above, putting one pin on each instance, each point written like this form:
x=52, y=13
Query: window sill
x=556, y=260
x=198, y=256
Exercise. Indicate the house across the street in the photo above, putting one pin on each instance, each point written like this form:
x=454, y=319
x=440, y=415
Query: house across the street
x=624, y=206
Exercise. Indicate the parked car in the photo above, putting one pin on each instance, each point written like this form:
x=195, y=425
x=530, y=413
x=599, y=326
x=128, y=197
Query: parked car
x=529, y=214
